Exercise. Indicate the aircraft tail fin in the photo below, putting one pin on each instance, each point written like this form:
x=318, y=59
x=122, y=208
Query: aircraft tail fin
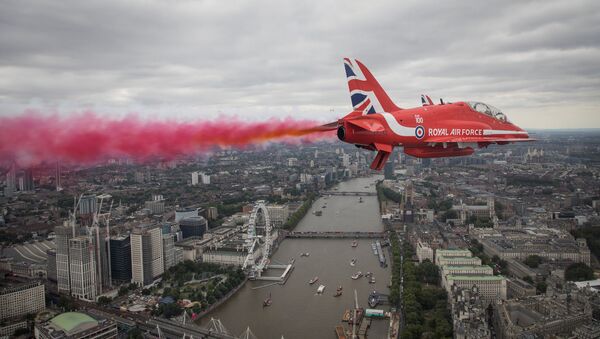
x=366, y=93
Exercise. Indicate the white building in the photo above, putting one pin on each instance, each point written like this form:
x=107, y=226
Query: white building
x=16, y=301
x=63, y=276
x=82, y=260
x=169, y=250
x=205, y=179
x=147, y=261
x=194, y=178
x=278, y=214
x=424, y=251
x=457, y=261
x=491, y=287
x=440, y=254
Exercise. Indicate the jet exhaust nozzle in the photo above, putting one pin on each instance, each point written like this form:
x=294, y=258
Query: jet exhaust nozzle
x=341, y=133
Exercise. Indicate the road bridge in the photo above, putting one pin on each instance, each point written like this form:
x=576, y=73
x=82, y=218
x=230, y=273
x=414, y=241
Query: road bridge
x=346, y=193
x=336, y=235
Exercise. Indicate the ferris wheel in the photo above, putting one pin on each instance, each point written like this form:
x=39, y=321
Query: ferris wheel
x=256, y=264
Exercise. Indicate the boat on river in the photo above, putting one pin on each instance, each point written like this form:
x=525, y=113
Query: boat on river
x=355, y=243
x=356, y=275
x=268, y=301
x=313, y=280
x=353, y=262
x=320, y=289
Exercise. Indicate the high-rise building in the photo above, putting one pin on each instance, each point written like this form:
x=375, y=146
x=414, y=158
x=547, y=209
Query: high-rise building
x=28, y=180
x=84, y=284
x=51, y=265
x=120, y=258
x=212, y=213
x=168, y=250
x=87, y=204
x=57, y=176
x=346, y=160
x=11, y=180
x=194, y=178
x=193, y=226
x=63, y=276
x=205, y=178
x=156, y=205
x=146, y=254
x=388, y=170
x=19, y=300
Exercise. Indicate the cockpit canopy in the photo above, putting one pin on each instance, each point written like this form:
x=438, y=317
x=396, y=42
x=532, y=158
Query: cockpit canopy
x=488, y=110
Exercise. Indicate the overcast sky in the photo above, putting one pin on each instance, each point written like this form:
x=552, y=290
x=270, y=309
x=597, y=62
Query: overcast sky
x=537, y=61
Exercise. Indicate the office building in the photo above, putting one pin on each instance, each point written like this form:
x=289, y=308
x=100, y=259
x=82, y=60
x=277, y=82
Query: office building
x=120, y=258
x=63, y=276
x=278, y=214
x=194, y=178
x=82, y=259
x=26, y=184
x=185, y=212
x=147, y=261
x=168, y=250
x=541, y=316
x=212, y=213
x=51, y=265
x=11, y=181
x=424, y=251
x=491, y=287
x=156, y=205
x=204, y=178
x=193, y=226
x=22, y=299
x=57, y=177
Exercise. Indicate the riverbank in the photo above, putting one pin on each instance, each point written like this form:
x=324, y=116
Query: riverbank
x=297, y=311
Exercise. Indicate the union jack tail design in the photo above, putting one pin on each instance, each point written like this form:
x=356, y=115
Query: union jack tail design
x=366, y=93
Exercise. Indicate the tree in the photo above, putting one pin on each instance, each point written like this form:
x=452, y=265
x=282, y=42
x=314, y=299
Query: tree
x=104, y=300
x=541, y=287
x=449, y=214
x=135, y=333
x=170, y=310
x=533, y=261
x=21, y=331
x=579, y=272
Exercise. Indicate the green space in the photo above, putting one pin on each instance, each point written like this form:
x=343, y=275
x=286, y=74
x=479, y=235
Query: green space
x=295, y=218
x=592, y=236
x=203, y=284
x=425, y=304
x=579, y=272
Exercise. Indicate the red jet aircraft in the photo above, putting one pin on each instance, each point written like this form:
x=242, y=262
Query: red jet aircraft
x=430, y=131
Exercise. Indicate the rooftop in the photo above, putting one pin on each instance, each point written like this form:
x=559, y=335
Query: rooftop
x=71, y=322
x=476, y=277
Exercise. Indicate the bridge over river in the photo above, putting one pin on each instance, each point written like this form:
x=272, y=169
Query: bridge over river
x=349, y=193
x=336, y=235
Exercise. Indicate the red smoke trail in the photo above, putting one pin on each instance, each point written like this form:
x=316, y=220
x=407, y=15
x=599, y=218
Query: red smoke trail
x=86, y=138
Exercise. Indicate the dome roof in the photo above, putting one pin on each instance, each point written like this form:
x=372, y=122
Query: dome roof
x=73, y=322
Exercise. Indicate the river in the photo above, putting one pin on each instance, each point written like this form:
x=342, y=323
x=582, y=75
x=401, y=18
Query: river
x=297, y=311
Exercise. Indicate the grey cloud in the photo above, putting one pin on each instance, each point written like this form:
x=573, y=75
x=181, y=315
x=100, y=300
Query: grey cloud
x=266, y=58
